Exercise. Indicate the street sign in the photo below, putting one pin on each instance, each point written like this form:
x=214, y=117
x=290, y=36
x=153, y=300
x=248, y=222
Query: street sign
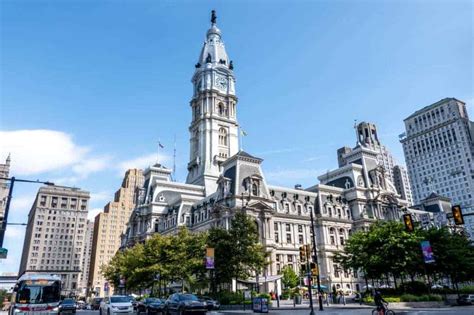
x=3, y=253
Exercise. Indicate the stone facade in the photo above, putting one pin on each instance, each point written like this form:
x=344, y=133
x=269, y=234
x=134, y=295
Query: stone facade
x=4, y=187
x=56, y=235
x=109, y=226
x=86, y=259
x=349, y=198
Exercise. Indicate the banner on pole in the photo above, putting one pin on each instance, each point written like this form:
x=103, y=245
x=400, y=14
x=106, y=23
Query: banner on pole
x=427, y=252
x=209, y=258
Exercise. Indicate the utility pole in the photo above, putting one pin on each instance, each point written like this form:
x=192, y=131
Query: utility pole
x=9, y=198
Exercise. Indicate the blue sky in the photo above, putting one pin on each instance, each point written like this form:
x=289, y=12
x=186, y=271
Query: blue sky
x=88, y=87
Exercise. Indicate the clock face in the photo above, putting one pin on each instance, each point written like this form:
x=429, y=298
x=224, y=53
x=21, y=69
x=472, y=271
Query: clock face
x=221, y=83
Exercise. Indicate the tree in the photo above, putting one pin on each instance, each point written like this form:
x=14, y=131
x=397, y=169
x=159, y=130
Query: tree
x=290, y=279
x=238, y=253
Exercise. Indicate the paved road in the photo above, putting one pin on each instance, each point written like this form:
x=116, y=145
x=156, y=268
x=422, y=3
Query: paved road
x=469, y=310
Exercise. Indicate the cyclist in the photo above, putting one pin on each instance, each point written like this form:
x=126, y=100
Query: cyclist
x=379, y=302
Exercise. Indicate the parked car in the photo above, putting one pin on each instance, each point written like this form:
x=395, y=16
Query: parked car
x=151, y=306
x=95, y=304
x=116, y=304
x=67, y=306
x=210, y=303
x=180, y=303
x=466, y=299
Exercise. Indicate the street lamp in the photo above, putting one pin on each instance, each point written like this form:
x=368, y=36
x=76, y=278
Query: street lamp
x=9, y=198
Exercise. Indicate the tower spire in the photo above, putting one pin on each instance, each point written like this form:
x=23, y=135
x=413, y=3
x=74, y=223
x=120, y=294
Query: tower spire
x=213, y=17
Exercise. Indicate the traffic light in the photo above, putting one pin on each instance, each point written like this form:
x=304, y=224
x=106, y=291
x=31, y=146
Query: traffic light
x=303, y=268
x=457, y=215
x=308, y=251
x=408, y=220
x=314, y=269
x=302, y=253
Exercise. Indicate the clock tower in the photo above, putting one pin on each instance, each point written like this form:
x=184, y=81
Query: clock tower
x=214, y=131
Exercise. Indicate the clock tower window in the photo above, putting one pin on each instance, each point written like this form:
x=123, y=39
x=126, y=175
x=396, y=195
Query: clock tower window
x=222, y=137
x=222, y=109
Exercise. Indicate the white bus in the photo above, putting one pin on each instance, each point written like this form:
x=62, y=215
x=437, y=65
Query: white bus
x=36, y=294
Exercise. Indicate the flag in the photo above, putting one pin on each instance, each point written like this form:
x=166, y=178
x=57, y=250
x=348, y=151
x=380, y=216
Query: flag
x=242, y=132
x=160, y=145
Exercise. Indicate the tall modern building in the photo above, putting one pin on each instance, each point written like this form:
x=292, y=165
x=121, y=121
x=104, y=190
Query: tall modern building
x=86, y=259
x=109, y=226
x=439, y=149
x=4, y=187
x=56, y=235
x=223, y=180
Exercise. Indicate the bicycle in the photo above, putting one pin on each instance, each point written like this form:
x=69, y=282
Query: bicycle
x=384, y=311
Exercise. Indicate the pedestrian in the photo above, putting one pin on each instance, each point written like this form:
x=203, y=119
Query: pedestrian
x=326, y=298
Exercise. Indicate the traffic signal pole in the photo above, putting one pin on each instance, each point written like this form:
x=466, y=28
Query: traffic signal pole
x=315, y=260
x=308, y=274
x=7, y=208
x=12, y=181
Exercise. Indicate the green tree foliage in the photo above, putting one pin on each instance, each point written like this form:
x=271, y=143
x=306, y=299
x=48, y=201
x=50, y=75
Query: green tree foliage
x=386, y=249
x=238, y=252
x=290, y=279
x=180, y=257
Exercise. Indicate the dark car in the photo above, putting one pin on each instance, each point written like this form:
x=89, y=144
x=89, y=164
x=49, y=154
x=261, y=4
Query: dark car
x=466, y=299
x=151, y=306
x=95, y=304
x=180, y=303
x=67, y=306
x=210, y=303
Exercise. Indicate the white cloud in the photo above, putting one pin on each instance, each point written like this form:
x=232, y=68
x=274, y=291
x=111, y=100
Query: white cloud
x=142, y=162
x=91, y=165
x=39, y=151
x=101, y=196
x=93, y=213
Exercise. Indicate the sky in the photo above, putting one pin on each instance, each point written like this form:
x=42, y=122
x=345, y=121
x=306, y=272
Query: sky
x=88, y=88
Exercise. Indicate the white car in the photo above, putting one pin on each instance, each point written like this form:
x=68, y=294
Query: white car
x=116, y=304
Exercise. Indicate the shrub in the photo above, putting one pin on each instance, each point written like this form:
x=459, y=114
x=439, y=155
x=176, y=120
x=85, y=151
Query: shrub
x=467, y=289
x=420, y=298
x=415, y=287
x=265, y=295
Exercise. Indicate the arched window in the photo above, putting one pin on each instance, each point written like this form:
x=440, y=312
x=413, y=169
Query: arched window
x=222, y=136
x=222, y=109
x=254, y=189
x=332, y=236
x=341, y=236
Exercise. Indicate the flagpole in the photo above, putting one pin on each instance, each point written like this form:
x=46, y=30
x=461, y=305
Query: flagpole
x=241, y=139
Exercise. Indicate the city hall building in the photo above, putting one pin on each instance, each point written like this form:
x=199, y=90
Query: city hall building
x=222, y=179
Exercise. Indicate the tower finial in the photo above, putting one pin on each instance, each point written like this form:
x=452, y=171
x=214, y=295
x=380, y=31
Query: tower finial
x=213, y=17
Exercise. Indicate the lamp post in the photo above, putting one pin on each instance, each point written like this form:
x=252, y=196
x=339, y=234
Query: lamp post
x=12, y=181
x=315, y=254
